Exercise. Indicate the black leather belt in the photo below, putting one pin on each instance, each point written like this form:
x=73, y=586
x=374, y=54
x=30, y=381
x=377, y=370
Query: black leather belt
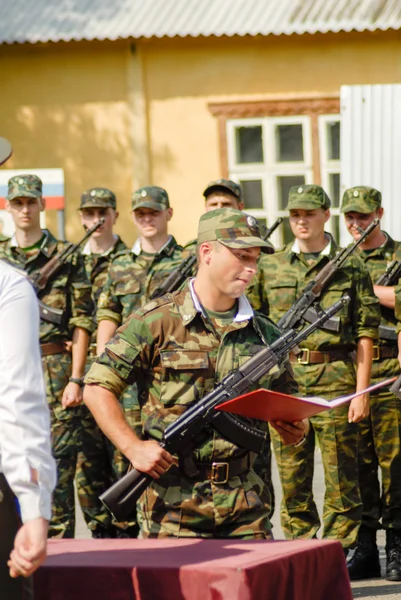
x=221, y=472
x=380, y=352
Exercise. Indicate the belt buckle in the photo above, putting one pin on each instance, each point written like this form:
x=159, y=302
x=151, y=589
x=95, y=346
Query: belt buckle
x=215, y=472
x=376, y=353
x=304, y=361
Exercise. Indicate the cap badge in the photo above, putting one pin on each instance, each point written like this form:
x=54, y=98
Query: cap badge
x=93, y=193
x=251, y=221
x=356, y=193
x=300, y=190
x=20, y=181
x=144, y=193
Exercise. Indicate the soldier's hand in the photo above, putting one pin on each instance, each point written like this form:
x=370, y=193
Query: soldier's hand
x=72, y=395
x=358, y=409
x=292, y=433
x=148, y=457
x=29, y=548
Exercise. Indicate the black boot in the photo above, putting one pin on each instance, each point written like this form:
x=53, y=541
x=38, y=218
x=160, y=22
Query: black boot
x=365, y=563
x=393, y=553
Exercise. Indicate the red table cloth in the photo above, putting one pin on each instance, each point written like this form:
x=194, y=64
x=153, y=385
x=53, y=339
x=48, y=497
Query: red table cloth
x=193, y=569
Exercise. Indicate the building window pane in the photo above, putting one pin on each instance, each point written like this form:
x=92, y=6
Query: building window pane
x=333, y=140
x=283, y=187
x=334, y=189
x=252, y=193
x=335, y=227
x=287, y=231
x=249, y=146
x=289, y=143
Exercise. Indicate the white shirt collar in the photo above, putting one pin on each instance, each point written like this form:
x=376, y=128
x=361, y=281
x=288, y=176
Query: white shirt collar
x=325, y=252
x=245, y=311
x=87, y=249
x=137, y=247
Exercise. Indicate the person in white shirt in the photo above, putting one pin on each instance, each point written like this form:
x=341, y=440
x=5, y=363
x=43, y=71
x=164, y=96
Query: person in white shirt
x=27, y=468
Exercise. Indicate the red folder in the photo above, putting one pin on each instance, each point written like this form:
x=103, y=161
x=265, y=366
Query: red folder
x=267, y=405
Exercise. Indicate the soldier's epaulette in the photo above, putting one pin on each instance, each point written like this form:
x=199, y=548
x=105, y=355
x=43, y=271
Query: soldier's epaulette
x=156, y=303
x=125, y=252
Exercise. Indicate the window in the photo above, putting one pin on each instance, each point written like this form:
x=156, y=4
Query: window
x=267, y=156
x=269, y=146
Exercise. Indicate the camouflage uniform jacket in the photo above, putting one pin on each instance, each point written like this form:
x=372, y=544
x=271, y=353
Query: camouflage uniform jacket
x=286, y=274
x=175, y=357
x=68, y=290
x=132, y=279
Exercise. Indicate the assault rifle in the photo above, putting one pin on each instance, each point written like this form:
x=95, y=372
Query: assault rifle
x=40, y=278
x=303, y=307
x=268, y=231
x=176, y=278
x=121, y=497
x=390, y=277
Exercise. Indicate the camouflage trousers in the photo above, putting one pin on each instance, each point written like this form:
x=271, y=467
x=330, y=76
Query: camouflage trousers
x=337, y=440
x=65, y=433
x=100, y=464
x=176, y=506
x=379, y=445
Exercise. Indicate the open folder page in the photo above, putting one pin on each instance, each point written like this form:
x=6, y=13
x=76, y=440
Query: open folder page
x=267, y=405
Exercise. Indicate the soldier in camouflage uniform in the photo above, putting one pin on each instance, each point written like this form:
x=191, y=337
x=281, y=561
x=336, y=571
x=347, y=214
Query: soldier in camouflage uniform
x=323, y=368
x=95, y=471
x=132, y=278
x=63, y=362
x=176, y=348
x=221, y=193
x=380, y=433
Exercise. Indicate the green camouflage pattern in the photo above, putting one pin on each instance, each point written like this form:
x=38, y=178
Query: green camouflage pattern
x=24, y=186
x=380, y=434
x=286, y=274
x=70, y=291
x=307, y=197
x=361, y=199
x=224, y=185
x=150, y=196
x=98, y=460
x=232, y=228
x=174, y=356
x=132, y=279
x=98, y=197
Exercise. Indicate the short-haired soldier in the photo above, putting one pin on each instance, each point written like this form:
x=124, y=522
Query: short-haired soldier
x=175, y=349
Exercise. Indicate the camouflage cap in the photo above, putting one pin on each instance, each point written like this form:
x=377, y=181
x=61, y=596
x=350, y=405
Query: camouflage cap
x=150, y=196
x=98, y=198
x=24, y=186
x=361, y=199
x=224, y=185
x=232, y=228
x=307, y=197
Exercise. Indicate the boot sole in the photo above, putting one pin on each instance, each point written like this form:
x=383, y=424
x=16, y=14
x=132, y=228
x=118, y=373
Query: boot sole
x=393, y=577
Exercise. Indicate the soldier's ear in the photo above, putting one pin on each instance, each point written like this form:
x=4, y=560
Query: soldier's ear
x=169, y=213
x=42, y=203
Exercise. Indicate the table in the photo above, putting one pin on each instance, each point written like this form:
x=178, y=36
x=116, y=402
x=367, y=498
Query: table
x=193, y=569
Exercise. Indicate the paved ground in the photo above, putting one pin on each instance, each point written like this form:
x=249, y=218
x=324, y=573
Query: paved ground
x=369, y=589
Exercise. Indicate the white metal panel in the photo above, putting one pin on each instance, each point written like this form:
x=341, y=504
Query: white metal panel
x=371, y=147
x=55, y=20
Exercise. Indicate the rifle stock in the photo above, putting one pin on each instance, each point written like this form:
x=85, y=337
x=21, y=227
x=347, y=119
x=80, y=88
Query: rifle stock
x=121, y=497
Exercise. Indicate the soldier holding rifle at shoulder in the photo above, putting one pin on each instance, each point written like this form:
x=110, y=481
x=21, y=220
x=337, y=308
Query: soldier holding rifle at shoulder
x=304, y=272
x=379, y=442
x=64, y=342
x=176, y=349
x=98, y=460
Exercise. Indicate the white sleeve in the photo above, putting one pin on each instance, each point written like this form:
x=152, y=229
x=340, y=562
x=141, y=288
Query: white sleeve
x=24, y=414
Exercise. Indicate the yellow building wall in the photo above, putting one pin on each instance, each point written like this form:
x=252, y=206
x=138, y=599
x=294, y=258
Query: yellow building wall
x=111, y=116
x=66, y=106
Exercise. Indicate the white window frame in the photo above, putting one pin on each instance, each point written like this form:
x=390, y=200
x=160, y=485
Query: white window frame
x=328, y=166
